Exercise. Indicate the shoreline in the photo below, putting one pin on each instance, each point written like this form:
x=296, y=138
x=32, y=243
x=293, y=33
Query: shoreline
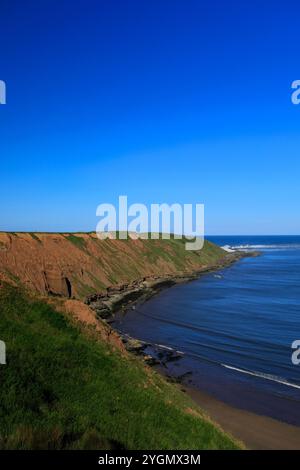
x=121, y=297
x=257, y=432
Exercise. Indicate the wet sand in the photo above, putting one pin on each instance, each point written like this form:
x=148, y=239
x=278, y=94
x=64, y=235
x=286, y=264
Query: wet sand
x=255, y=431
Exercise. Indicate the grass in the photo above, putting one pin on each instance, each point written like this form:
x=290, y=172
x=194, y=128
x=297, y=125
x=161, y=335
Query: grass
x=33, y=235
x=79, y=242
x=62, y=388
x=174, y=251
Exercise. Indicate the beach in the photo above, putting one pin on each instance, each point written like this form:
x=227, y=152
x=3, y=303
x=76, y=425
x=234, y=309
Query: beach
x=255, y=431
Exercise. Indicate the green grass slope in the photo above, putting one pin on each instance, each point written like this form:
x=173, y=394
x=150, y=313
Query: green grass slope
x=62, y=388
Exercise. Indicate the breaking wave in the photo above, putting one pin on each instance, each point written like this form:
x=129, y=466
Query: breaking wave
x=246, y=247
x=263, y=376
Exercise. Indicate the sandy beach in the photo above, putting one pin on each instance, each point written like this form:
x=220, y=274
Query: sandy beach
x=255, y=431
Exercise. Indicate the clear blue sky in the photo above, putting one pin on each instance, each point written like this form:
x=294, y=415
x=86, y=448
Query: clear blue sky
x=165, y=101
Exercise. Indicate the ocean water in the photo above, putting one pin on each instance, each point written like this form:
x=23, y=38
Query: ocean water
x=234, y=327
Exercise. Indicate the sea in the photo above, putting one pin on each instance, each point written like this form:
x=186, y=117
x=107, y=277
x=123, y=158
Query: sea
x=233, y=329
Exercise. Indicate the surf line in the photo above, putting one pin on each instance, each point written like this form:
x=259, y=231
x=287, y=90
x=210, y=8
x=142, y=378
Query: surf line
x=262, y=376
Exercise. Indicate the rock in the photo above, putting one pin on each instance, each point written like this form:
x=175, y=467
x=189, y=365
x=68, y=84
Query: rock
x=151, y=361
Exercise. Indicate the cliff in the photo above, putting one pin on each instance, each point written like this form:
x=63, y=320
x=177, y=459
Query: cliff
x=77, y=265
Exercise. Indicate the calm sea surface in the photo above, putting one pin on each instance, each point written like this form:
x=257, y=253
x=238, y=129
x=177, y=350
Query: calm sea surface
x=234, y=327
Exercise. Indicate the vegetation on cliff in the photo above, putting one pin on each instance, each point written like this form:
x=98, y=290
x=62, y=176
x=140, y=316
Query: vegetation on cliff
x=63, y=388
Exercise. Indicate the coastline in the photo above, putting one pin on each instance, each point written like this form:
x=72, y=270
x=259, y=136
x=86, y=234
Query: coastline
x=118, y=300
x=124, y=296
x=254, y=430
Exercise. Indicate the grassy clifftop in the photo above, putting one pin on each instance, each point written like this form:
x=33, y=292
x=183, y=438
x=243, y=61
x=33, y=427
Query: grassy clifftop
x=76, y=265
x=63, y=388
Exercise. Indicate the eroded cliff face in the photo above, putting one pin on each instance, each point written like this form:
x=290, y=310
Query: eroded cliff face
x=76, y=265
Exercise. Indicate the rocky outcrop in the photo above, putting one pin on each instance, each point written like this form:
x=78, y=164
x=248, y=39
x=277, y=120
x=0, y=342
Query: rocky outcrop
x=57, y=284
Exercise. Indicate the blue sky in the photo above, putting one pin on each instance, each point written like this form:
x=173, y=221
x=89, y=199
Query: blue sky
x=163, y=101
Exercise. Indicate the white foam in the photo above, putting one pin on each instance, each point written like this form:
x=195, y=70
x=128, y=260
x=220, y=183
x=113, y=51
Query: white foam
x=263, y=376
x=228, y=248
x=262, y=247
x=162, y=346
